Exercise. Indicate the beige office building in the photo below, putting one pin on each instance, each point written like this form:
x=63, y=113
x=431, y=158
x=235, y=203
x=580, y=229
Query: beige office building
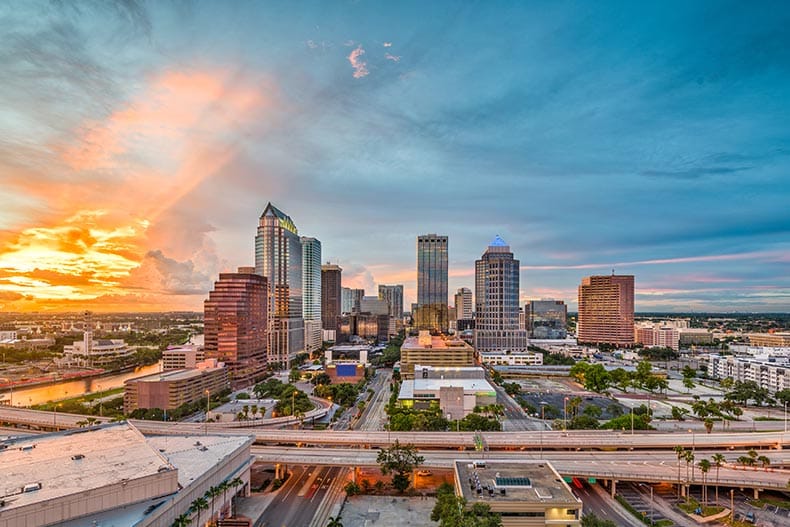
x=169, y=390
x=525, y=493
x=606, y=310
x=432, y=350
x=771, y=340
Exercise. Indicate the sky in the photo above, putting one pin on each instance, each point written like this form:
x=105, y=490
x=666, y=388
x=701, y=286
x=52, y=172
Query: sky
x=141, y=141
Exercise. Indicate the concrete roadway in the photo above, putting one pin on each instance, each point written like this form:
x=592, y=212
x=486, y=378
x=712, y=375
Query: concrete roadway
x=515, y=417
x=373, y=416
x=596, y=500
x=652, y=467
x=299, y=498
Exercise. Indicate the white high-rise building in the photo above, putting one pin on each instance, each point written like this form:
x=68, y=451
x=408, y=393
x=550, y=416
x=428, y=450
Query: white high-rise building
x=463, y=304
x=311, y=293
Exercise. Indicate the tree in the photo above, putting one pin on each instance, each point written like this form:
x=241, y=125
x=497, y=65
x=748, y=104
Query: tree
x=708, y=425
x=399, y=460
x=764, y=461
x=689, y=374
x=334, y=521
x=450, y=511
x=783, y=396
x=718, y=461
x=573, y=405
x=679, y=413
x=200, y=504
x=182, y=521
x=688, y=456
x=352, y=489
x=211, y=494
x=704, y=467
x=681, y=453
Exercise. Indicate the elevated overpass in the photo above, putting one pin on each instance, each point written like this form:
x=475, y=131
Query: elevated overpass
x=579, y=440
x=653, y=467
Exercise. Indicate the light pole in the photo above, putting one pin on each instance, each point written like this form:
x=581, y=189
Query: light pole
x=565, y=414
x=785, y=417
x=632, y=420
x=208, y=408
x=542, y=424
x=693, y=448
x=732, y=504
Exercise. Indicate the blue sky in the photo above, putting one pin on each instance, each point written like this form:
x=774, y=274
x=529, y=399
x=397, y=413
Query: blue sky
x=651, y=138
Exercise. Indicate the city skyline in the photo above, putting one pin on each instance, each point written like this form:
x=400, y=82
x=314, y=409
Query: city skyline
x=142, y=141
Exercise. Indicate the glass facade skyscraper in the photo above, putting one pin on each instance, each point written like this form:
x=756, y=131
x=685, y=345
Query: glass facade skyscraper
x=278, y=257
x=496, y=301
x=393, y=294
x=432, y=258
x=311, y=293
x=546, y=319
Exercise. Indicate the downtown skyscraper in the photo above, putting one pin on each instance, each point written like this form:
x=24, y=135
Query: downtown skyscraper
x=606, y=310
x=432, y=313
x=278, y=257
x=497, y=301
x=311, y=293
x=331, y=295
x=236, y=321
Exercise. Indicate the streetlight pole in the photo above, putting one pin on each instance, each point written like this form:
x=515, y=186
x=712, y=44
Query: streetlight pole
x=542, y=424
x=208, y=409
x=565, y=414
x=632, y=420
x=785, y=417
x=651, y=505
x=693, y=448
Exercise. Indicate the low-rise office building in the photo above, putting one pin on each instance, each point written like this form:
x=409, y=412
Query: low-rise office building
x=525, y=493
x=457, y=390
x=169, y=390
x=769, y=339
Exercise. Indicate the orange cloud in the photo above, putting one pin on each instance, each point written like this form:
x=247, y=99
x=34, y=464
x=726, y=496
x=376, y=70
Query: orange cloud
x=154, y=149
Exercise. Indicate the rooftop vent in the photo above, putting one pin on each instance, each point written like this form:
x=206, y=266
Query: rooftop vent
x=77, y=457
x=25, y=448
x=544, y=494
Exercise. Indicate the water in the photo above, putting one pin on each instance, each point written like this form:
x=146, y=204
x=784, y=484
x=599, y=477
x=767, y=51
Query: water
x=74, y=388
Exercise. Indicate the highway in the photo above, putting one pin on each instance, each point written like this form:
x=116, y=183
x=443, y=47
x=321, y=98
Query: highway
x=374, y=416
x=655, y=467
x=299, y=498
x=577, y=440
x=596, y=500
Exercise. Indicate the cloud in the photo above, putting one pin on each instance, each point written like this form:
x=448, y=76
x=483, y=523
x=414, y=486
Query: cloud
x=159, y=274
x=393, y=58
x=661, y=261
x=357, y=276
x=387, y=44
x=359, y=65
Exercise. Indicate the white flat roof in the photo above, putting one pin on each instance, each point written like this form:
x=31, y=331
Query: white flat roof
x=195, y=455
x=408, y=388
x=111, y=453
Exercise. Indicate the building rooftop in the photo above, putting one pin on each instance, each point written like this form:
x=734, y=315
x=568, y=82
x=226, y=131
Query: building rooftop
x=73, y=462
x=175, y=375
x=409, y=387
x=195, y=455
x=413, y=343
x=532, y=481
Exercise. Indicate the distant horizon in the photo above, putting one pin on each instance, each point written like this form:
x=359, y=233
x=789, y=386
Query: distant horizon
x=141, y=142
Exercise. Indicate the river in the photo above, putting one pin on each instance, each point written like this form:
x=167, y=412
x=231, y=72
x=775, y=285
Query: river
x=73, y=388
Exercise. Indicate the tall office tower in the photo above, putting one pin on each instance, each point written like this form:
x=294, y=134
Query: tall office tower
x=606, y=310
x=331, y=295
x=346, y=301
x=432, y=283
x=278, y=257
x=496, y=301
x=356, y=299
x=235, y=319
x=546, y=319
x=393, y=294
x=463, y=304
x=311, y=293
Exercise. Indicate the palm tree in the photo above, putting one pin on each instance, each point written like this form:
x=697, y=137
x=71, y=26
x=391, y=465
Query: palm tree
x=211, y=494
x=688, y=455
x=704, y=467
x=224, y=487
x=718, y=461
x=680, y=451
x=182, y=521
x=764, y=461
x=334, y=521
x=200, y=504
x=254, y=410
x=709, y=425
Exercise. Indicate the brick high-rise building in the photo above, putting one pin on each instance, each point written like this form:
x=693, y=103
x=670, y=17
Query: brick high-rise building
x=235, y=319
x=331, y=295
x=606, y=310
